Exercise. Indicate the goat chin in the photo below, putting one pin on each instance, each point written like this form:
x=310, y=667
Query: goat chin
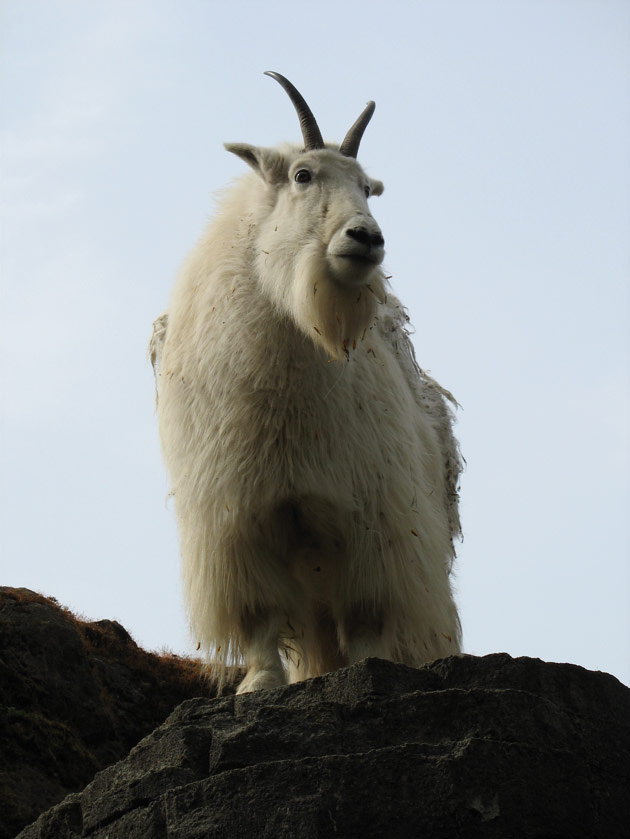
x=312, y=461
x=335, y=310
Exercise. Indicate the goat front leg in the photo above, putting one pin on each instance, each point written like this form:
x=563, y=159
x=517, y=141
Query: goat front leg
x=262, y=658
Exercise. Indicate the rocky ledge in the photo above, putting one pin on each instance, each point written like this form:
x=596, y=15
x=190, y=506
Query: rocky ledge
x=75, y=697
x=464, y=747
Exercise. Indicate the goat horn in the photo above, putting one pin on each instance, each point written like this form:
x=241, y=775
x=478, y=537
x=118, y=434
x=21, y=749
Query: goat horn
x=310, y=130
x=350, y=145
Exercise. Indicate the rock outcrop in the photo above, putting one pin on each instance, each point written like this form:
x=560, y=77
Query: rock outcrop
x=464, y=747
x=74, y=698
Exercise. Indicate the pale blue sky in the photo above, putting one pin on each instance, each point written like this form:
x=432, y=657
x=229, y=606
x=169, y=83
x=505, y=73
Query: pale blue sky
x=501, y=132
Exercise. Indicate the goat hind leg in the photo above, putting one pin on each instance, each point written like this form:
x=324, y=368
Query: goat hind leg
x=318, y=650
x=363, y=633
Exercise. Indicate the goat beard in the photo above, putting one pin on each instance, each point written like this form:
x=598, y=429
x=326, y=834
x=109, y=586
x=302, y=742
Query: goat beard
x=335, y=316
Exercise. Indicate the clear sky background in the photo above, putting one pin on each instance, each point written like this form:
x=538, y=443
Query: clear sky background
x=502, y=133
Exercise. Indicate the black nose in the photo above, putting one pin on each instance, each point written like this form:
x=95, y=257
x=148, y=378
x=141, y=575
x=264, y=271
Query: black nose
x=365, y=238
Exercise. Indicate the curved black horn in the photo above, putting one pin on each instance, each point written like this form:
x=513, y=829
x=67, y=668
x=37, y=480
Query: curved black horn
x=310, y=130
x=350, y=145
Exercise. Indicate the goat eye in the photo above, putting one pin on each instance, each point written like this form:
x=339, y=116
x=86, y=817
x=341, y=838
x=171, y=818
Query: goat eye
x=366, y=189
x=302, y=176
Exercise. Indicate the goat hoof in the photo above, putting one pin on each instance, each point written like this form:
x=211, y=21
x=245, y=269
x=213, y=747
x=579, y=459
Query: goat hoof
x=261, y=680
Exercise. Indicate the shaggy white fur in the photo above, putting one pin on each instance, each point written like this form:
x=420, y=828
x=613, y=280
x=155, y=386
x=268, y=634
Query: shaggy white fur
x=312, y=462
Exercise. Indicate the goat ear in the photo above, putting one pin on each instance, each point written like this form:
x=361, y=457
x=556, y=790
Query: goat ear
x=376, y=187
x=268, y=163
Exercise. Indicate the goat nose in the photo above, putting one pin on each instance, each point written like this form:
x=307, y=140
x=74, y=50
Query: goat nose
x=364, y=237
x=376, y=239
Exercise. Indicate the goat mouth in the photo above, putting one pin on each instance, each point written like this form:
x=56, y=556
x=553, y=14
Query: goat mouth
x=360, y=258
x=353, y=269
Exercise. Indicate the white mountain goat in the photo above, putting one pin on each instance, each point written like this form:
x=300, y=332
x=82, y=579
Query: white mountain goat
x=312, y=462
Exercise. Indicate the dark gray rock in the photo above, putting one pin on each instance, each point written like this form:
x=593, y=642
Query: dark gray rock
x=74, y=697
x=465, y=747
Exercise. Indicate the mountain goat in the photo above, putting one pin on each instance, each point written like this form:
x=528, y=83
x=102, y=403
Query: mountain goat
x=312, y=462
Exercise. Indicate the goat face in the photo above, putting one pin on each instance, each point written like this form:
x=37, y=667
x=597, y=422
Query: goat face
x=320, y=196
x=317, y=247
x=333, y=190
